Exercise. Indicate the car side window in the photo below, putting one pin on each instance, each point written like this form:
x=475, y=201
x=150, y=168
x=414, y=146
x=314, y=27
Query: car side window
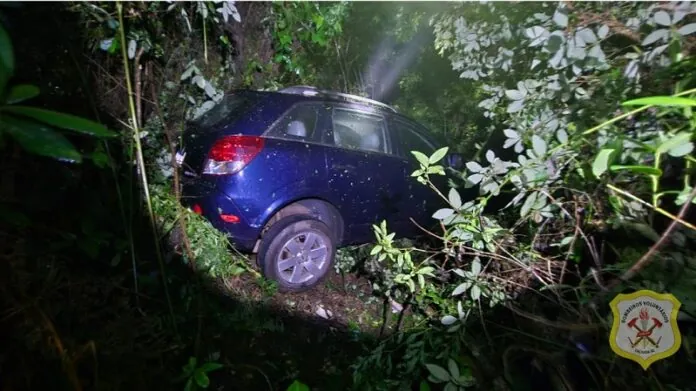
x=300, y=123
x=410, y=140
x=357, y=130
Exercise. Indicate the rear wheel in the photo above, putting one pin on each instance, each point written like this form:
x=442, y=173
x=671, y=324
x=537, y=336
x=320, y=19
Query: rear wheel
x=297, y=252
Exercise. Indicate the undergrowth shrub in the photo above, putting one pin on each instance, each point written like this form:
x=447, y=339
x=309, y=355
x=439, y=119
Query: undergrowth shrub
x=579, y=183
x=203, y=245
x=593, y=105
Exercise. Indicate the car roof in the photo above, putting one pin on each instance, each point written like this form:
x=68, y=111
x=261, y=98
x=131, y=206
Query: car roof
x=326, y=95
x=294, y=94
x=312, y=94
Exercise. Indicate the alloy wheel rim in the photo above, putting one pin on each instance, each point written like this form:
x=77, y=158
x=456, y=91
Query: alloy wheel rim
x=302, y=258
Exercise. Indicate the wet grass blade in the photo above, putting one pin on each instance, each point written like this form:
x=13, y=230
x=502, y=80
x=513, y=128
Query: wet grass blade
x=665, y=101
x=40, y=139
x=61, y=120
x=6, y=52
x=21, y=93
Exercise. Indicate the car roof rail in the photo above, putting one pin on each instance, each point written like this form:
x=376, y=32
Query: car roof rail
x=313, y=91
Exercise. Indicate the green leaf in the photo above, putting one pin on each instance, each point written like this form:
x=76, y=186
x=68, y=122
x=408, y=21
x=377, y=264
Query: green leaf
x=475, y=179
x=603, y=31
x=560, y=17
x=428, y=270
x=681, y=150
x=562, y=136
x=644, y=230
x=436, y=170
x=438, y=155
x=476, y=266
x=298, y=386
x=424, y=386
x=421, y=157
x=601, y=162
x=454, y=198
x=666, y=101
x=443, y=213
x=656, y=35
x=566, y=241
x=201, y=379
x=100, y=158
x=684, y=195
x=638, y=169
x=21, y=93
x=6, y=53
x=191, y=365
x=539, y=146
x=411, y=285
x=515, y=94
x=61, y=120
x=528, y=203
x=676, y=141
x=475, y=293
x=448, y=320
x=438, y=372
x=453, y=368
x=687, y=29
x=211, y=366
x=376, y=249
x=461, y=288
x=40, y=139
x=515, y=106
x=662, y=17
x=474, y=167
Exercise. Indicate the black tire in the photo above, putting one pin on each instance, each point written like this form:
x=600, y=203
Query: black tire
x=273, y=244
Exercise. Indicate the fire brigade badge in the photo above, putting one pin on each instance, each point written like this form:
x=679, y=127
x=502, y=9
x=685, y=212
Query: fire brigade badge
x=645, y=326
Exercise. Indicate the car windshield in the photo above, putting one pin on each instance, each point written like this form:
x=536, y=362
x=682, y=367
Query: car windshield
x=231, y=107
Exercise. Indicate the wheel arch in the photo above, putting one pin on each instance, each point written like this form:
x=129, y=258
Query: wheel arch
x=318, y=208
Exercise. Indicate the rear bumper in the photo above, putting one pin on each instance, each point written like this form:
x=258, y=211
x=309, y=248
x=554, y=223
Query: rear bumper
x=214, y=204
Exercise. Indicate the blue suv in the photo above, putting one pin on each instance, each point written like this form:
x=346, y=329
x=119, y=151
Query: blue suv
x=294, y=174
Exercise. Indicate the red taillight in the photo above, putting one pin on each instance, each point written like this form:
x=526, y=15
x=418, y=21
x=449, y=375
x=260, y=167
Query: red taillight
x=229, y=218
x=197, y=209
x=231, y=153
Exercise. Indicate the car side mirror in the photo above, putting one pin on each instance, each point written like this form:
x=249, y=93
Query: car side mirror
x=455, y=161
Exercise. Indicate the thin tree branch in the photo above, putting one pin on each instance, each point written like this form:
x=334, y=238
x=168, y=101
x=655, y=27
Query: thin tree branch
x=137, y=72
x=676, y=219
x=648, y=256
x=645, y=259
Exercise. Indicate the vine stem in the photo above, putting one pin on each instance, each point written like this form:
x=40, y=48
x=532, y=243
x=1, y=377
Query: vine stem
x=205, y=42
x=630, y=113
x=648, y=256
x=141, y=163
x=128, y=228
x=663, y=212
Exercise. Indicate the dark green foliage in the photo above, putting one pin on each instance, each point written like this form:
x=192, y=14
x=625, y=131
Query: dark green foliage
x=35, y=129
x=575, y=120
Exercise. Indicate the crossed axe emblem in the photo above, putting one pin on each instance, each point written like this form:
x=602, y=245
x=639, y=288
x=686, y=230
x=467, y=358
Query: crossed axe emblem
x=644, y=334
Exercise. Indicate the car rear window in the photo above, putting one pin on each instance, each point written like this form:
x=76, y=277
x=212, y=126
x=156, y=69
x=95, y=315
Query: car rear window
x=230, y=108
x=299, y=123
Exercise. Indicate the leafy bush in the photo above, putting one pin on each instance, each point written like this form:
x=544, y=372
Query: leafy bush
x=203, y=246
x=33, y=128
x=572, y=171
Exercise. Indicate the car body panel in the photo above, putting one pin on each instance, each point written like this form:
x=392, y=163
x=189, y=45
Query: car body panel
x=365, y=186
x=212, y=204
x=283, y=170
